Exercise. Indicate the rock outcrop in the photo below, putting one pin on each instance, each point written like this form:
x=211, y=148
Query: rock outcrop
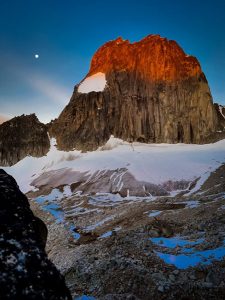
x=26, y=272
x=154, y=93
x=119, y=181
x=20, y=137
x=220, y=109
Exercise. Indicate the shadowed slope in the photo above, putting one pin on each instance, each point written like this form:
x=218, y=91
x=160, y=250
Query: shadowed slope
x=26, y=272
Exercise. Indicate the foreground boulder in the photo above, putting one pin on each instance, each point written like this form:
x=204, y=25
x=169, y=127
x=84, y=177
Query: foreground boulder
x=26, y=272
x=149, y=91
x=20, y=137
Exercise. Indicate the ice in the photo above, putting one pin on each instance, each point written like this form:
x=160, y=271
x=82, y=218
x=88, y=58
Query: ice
x=94, y=83
x=109, y=233
x=84, y=297
x=55, y=210
x=188, y=256
x=75, y=234
x=105, y=235
x=153, y=163
x=50, y=203
x=100, y=223
x=190, y=203
x=154, y=213
x=174, y=242
x=54, y=195
x=105, y=199
x=221, y=111
x=80, y=211
x=183, y=261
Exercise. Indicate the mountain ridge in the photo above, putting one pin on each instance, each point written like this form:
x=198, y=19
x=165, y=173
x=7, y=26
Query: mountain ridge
x=20, y=137
x=154, y=93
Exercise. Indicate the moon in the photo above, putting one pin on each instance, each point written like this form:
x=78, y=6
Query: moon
x=36, y=56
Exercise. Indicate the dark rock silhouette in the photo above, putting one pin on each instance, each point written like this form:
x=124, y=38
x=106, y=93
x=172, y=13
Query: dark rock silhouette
x=25, y=271
x=154, y=93
x=20, y=137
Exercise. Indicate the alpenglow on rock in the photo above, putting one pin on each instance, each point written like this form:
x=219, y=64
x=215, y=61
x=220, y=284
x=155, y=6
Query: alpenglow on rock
x=149, y=91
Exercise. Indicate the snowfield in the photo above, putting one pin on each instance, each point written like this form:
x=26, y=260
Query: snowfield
x=94, y=83
x=221, y=111
x=153, y=163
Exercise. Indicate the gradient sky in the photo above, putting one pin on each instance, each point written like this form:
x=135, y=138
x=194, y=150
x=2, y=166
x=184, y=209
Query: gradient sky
x=66, y=33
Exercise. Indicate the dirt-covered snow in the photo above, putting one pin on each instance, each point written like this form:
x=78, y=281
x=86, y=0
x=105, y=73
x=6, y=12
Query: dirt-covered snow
x=153, y=163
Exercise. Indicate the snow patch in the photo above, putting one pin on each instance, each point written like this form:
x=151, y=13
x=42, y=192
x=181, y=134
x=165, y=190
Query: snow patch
x=154, y=213
x=184, y=261
x=153, y=163
x=221, y=111
x=188, y=255
x=94, y=83
x=84, y=297
x=99, y=224
x=109, y=233
x=174, y=242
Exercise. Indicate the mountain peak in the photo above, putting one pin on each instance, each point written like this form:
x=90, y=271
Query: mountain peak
x=22, y=136
x=148, y=91
x=155, y=58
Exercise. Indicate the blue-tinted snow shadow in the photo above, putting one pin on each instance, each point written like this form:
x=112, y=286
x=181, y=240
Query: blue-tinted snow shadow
x=174, y=242
x=84, y=297
x=75, y=234
x=49, y=203
x=188, y=256
x=55, y=210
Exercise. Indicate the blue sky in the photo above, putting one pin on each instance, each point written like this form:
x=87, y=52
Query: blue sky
x=66, y=34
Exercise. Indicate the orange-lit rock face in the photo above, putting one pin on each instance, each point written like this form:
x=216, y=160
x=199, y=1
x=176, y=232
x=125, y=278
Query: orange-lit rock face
x=154, y=93
x=153, y=58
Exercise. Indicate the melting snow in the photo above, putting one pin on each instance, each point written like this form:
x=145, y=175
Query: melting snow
x=94, y=83
x=84, y=297
x=190, y=203
x=154, y=163
x=109, y=233
x=221, y=111
x=75, y=234
x=174, y=242
x=100, y=223
x=55, y=210
x=154, y=213
x=54, y=195
x=188, y=256
x=183, y=261
x=106, y=234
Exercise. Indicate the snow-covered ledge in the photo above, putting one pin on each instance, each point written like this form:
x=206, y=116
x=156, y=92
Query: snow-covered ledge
x=94, y=83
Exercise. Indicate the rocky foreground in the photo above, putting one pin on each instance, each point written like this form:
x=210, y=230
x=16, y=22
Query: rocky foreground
x=110, y=247
x=26, y=272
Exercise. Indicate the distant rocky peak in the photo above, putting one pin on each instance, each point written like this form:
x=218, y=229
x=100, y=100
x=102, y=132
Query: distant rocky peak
x=20, y=137
x=148, y=91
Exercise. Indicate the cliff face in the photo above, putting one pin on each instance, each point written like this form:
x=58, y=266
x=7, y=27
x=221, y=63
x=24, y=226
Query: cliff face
x=154, y=93
x=20, y=137
x=26, y=273
x=220, y=109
